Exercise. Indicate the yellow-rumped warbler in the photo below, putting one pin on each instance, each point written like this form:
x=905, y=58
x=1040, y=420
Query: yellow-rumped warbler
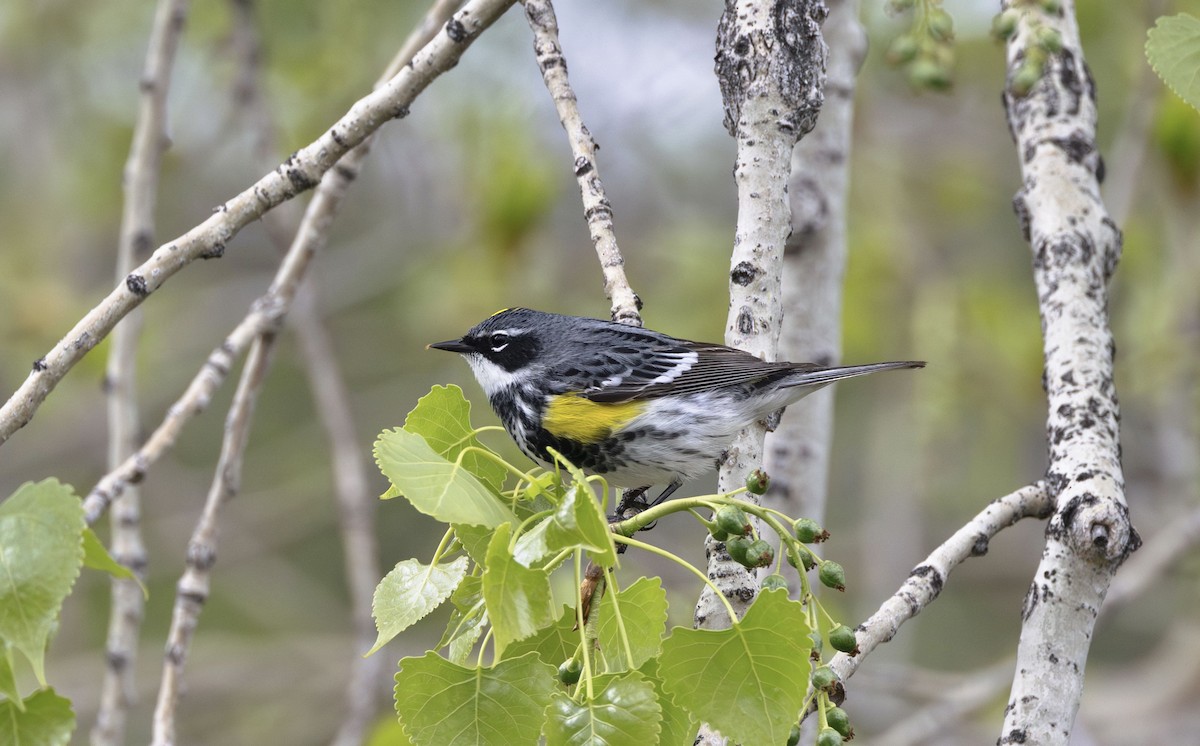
x=636, y=406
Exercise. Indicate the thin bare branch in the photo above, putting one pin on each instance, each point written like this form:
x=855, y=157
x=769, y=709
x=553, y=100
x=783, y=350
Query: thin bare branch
x=300, y=172
x=1143, y=571
x=927, y=579
x=193, y=588
x=268, y=311
x=117, y=690
x=596, y=207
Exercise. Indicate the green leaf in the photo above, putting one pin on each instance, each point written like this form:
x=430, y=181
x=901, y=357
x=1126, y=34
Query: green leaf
x=678, y=726
x=45, y=720
x=437, y=487
x=577, y=522
x=1173, y=49
x=443, y=418
x=624, y=710
x=466, y=621
x=443, y=704
x=41, y=551
x=97, y=557
x=643, y=608
x=409, y=592
x=474, y=539
x=553, y=644
x=747, y=681
x=8, y=680
x=518, y=598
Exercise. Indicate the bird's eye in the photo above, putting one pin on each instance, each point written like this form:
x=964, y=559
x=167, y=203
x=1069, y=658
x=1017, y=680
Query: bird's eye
x=499, y=340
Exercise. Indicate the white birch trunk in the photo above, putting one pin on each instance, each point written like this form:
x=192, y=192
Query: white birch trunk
x=1075, y=250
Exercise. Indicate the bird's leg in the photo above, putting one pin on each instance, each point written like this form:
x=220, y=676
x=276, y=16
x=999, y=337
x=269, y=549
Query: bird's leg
x=631, y=500
x=670, y=490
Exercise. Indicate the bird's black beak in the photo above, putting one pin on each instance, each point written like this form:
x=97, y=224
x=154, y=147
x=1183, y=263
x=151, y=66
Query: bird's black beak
x=452, y=345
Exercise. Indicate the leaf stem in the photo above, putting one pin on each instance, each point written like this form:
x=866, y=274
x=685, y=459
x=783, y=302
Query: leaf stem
x=608, y=578
x=684, y=563
x=447, y=539
x=581, y=625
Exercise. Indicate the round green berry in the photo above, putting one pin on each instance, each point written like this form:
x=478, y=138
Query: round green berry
x=737, y=546
x=794, y=736
x=838, y=720
x=829, y=737
x=774, y=581
x=760, y=553
x=903, y=49
x=807, y=530
x=570, y=671
x=842, y=639
x=1004, y=25
x=925, y=72
x=823, y=677
x=757, y=482
x=832, y=575
x=732, y=520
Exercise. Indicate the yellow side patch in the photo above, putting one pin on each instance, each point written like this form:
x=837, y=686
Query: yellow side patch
x=583, y=420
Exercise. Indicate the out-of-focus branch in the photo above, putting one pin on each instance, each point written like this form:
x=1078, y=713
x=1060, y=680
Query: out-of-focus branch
x=268, y=311
x=136, y=238
x=770, y=64
x=300, y=172
x=814, y=261
x=1075, y=248
x=596, y=207
x=192, y=589
x=356, y=507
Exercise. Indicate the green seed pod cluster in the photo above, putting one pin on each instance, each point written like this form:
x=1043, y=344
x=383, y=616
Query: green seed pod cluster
x=926, y=50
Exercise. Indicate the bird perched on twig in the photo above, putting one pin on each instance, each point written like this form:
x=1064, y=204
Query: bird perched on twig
x=636, y=406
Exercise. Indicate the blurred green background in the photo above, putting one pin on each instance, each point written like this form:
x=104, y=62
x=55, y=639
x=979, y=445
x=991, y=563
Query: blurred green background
x=469, y=205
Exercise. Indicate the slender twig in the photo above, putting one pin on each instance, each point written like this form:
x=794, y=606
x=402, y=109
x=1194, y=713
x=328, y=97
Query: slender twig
x=1143, y=571
x=356, y=507
x=192, y=590
x=117, y=690
x=269, y=310
x=350, y=473
x=596, y=206
x=927, y=579
x=300, y=172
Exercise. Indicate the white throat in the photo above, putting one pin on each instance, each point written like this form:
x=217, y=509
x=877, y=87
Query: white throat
x=492, y=377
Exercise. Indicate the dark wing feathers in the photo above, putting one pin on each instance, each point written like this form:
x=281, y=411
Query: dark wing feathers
x=686, y=367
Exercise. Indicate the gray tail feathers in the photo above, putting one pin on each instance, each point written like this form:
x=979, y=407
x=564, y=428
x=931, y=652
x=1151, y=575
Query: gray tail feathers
x=819, y=376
